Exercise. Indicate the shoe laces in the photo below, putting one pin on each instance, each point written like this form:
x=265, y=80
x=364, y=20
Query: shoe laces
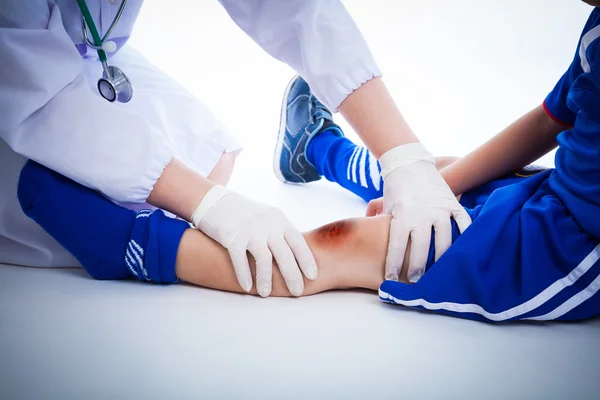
x=318, y=109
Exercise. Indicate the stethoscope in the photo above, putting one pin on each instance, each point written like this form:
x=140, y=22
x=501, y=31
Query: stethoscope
x=114, y=84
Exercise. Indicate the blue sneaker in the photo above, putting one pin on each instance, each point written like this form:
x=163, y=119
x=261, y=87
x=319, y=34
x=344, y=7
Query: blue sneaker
x=302, y=117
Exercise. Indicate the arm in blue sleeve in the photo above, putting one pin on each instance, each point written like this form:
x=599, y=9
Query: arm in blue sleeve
x=577, y=177
x=556, y=103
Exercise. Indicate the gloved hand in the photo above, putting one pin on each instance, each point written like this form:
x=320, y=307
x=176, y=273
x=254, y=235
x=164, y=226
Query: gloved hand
x=240, y=224
x=418, y=198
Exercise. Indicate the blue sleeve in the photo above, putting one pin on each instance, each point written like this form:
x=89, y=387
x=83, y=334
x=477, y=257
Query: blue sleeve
x=556, y=103
x=576, y=180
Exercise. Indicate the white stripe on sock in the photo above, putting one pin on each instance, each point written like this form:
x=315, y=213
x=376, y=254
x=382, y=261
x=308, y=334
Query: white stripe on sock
x=133, y=255
x=138, y=247
x=140, y=262
x=130, y=257
x=363, y=168
x=350, y=162
x=354, y=162
x=374, y=172
x=131, y=268
x=143, y=214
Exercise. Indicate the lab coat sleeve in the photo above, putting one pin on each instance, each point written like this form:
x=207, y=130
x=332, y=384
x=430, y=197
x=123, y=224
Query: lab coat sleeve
x=50, y=114
x=317, y=38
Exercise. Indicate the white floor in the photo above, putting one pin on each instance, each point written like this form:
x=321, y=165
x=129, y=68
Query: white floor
x=461, y=71
x=65, y=336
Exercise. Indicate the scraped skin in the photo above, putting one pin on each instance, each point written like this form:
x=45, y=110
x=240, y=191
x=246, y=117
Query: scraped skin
x=350, y=254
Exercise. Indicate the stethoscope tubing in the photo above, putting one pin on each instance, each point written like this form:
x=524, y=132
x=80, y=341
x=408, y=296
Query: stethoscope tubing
x=121, y=89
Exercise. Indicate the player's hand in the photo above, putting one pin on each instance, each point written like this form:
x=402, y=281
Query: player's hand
x=375, y=207
x=418, y=198
x=240, y=225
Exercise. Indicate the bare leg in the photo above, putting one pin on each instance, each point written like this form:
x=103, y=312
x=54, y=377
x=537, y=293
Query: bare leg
x=350, y=254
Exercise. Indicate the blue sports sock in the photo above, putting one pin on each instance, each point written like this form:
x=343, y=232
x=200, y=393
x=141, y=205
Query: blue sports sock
x=109, y=241
x=352, y=167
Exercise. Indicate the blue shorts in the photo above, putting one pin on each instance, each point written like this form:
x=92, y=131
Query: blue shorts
x=523, y=257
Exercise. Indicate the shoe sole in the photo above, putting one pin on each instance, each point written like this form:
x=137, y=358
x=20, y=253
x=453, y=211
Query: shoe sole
x=281, y=134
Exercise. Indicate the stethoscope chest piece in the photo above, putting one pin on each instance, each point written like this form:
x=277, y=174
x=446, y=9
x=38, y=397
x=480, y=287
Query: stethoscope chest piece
x=116, y=86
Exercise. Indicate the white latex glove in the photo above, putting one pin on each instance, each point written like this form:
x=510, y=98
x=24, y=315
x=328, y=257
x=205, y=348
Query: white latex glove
x=418, y=198
x=240, y=224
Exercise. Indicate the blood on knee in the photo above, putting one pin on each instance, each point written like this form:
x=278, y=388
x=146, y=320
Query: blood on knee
x=334, y=233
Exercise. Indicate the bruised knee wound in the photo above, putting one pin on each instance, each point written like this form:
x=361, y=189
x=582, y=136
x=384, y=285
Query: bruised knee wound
x=335, y=233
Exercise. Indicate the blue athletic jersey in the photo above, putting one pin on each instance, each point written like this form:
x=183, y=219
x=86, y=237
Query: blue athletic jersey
x=575, y=102
x=533, y=249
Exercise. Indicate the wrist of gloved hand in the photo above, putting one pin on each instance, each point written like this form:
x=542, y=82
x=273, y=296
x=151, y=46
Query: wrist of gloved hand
x=402, y=156
x=210, y=199
x=419, y=200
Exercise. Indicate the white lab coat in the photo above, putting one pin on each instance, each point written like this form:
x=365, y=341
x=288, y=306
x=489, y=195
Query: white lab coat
x=51, y=112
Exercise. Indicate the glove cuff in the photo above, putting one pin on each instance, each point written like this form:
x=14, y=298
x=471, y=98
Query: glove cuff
x=403, y=155
x=210, y=199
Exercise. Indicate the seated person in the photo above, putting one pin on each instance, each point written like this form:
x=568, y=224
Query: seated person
x=533, y=249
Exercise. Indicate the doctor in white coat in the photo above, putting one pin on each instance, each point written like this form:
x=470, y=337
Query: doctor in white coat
x=165, y=148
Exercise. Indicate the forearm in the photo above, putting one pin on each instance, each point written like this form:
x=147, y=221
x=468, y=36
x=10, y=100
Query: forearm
x=523, y=142
x=179, y=190
x=349, y=253
x=204, y=262
x=374, y=116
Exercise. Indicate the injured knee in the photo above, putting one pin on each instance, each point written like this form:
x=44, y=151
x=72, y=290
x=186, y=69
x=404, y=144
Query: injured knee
x=334, y=234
